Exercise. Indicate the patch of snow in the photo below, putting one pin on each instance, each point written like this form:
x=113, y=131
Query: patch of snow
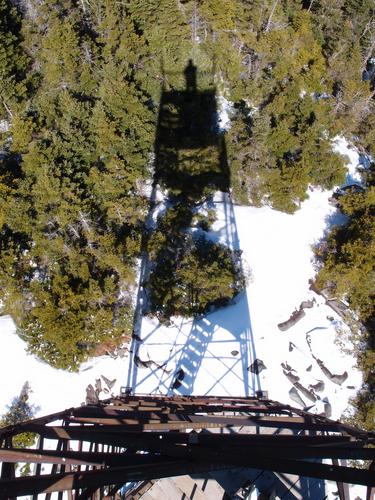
x=51, y=390
x=342, y=146
x=278, y=248
x=365, y=161
x=215, y=351
x=225, y=110
x=253, y=110
x=320, y=95
x=144, y=188
x=4, y=126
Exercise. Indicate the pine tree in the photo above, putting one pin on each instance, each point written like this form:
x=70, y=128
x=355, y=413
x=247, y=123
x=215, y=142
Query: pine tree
x=18, y=411
x=13, y=60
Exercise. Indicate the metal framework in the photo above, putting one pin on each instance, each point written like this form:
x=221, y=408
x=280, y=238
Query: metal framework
x=96, y=449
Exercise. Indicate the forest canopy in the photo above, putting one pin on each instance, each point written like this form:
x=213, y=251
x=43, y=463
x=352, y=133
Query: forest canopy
x=80, y=89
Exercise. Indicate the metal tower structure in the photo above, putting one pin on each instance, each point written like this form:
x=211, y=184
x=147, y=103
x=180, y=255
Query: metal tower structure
x=92, y=451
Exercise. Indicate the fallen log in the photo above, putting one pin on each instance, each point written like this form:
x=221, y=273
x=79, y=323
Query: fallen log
x=292, y=378
x=338, y=379
x=318, y=387
x=308, y=394
x=294, y=318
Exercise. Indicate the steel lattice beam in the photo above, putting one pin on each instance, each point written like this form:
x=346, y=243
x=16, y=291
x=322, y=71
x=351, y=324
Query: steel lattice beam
x=138, y=438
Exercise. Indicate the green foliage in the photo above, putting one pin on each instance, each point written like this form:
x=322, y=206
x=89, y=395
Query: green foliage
x=13, y=60
x=281, y=138
x=349, y=272
x=18, y=411
x=349, y=261
x=72, y=212
x=80, y=84
x=220, y=14
x=204, y=274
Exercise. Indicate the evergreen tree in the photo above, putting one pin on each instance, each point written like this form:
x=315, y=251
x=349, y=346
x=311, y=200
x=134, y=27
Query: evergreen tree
x=348, y=271
x=13, y=60
x=18, y=411
x=79, y=86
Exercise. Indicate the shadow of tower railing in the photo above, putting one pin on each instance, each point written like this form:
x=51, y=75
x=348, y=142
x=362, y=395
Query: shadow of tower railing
x=190, y=166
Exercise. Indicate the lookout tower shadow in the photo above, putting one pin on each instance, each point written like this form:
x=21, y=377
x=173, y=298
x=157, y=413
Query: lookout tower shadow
x=190, y=153
x=191, y=166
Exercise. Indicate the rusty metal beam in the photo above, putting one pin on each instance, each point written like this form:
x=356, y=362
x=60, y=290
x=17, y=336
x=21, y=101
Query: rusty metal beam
x=69, y=457
x=120, y=436
x=96, y=478
x=9, y=429
x=7, y=470
x=53, y=457
x=116, y=429
x=185, y=409
x=342, y=488
x=370, y=493
x=133, y=425
x=187, y=405
x=159, y=421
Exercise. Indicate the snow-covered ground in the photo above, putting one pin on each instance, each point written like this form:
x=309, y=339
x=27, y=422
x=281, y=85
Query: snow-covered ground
x=215, y=351
x=52, y=390
x=356, y=161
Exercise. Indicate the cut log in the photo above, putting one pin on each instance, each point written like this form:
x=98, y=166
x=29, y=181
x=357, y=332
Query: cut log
x=308, y=394
x=338, y=379
x=287, y=367
x=109, y=383
x=98, y=386
x=294, y=318
x=307, y=304
x=91, y=396
x=327, y=410
x=318, y=387
x=292, y=378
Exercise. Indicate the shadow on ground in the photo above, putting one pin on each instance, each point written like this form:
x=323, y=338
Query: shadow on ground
x=191, y=166
x=210, y=353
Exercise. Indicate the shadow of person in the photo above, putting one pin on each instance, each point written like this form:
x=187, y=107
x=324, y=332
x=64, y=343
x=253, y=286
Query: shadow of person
x=191, y=77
